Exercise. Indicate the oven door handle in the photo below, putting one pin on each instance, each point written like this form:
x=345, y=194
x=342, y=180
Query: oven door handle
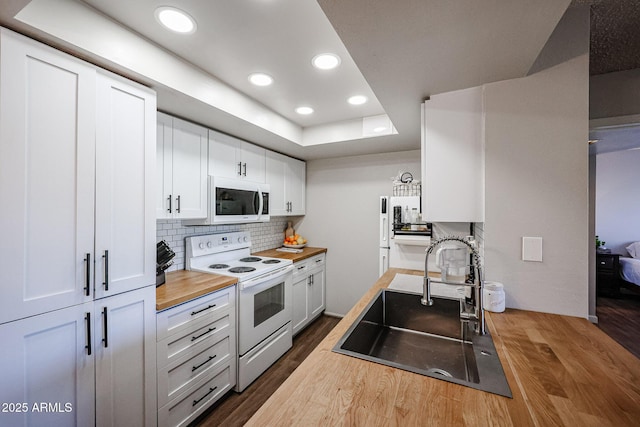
x=269, y=276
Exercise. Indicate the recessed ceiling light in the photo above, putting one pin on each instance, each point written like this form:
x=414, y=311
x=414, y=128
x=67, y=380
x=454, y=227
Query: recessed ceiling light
x=260, y=79
x=379, y=129
x=326, y=61
x=175, y=20
x=357, y=100
x=304, y=110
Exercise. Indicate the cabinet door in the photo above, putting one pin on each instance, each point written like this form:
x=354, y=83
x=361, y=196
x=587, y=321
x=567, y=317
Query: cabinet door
x=295, y=186
x=45, y=361
x=189, y=170
x=316, y=293
x=253, y=162
x=275, y=177
x=164, y=166
x=300, y=299
x=47, y=143
x=125, y=351
x=453, y=157
x=125, y=220
x=223, y=158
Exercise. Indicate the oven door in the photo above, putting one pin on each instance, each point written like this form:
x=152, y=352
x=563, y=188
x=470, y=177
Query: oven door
x=235, y=201
x=264, y=306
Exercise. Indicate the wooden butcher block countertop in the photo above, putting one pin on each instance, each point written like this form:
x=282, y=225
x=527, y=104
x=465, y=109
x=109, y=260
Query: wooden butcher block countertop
x=563, y=371
x=307, y=252
x=183, y=285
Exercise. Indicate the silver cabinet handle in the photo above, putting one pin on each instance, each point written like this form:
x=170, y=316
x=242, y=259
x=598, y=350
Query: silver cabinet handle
x=178, y=204
x=245, y=169
x=169, y=198
x=239, y=168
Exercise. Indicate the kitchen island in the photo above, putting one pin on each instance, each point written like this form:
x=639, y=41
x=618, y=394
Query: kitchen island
x=563, y=371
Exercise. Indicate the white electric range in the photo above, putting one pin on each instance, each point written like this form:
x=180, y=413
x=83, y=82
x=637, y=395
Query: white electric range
x=264, y=297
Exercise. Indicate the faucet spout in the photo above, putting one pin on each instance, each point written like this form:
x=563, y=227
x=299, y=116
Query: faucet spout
x=426, y=296
x=478, y=310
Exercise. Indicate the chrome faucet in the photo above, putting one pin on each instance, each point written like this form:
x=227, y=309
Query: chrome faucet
x=476, y=284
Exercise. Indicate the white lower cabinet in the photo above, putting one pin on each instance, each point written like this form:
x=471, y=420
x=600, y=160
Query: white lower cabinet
x=196, y=356
x=125, y=350
x=309, y=286
x=89, y=364
x=46, y=360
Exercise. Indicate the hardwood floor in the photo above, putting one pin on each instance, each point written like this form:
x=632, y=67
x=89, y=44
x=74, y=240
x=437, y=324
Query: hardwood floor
x=235, y=409
x=620, y=319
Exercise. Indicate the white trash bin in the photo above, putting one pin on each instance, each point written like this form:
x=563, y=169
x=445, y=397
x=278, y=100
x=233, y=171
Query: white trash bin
x=493, y=296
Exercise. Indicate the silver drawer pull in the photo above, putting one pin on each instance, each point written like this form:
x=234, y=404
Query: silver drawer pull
x=193, y=313
x=211, y=390
x=204, y=363
x=203, y=334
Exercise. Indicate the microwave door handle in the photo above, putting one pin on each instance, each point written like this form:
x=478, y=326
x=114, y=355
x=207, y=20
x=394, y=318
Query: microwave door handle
x=256, y=202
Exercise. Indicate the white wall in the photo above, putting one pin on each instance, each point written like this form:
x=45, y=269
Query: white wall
x=537, y=185
x=618, y=199
x=342, y=215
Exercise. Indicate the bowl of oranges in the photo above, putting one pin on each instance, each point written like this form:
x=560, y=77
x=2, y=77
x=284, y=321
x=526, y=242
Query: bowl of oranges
x=295, y=241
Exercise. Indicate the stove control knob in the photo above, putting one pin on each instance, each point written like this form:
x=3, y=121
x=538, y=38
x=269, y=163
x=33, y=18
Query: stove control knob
x=245, y=238
x=239, y=239
x=209, y=244
x=201, y=245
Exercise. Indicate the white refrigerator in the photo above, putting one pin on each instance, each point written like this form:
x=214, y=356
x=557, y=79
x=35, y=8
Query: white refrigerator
x=404, y=249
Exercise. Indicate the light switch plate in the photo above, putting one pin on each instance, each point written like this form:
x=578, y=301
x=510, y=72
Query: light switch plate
x=532, y=249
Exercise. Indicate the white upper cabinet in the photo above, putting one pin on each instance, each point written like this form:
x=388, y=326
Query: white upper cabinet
x=286, y=177
x=76, y=164
x=181, y=173
x=233, y=158
x=453, y=157
x=47, y=177
x=125, y=219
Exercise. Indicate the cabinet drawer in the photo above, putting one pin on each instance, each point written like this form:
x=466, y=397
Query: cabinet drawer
x=300, y=269
x=193, y=402
x=184, y=372
x=179, y=318
x=202, y=335
x=605, y=263
x=316, y=262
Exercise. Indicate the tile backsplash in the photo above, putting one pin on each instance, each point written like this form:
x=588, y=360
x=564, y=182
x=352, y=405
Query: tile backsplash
x=264, y=235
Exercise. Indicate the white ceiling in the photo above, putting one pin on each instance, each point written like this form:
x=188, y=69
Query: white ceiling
x=403, y=51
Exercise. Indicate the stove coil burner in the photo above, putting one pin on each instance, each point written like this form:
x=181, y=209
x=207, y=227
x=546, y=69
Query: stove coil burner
x=218, y=266
x=250, y=259
x=241, y=269
x=271, y=261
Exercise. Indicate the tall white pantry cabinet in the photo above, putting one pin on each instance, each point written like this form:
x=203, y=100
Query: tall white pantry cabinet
x=77, y=259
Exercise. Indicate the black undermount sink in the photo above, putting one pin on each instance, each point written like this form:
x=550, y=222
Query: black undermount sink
x=397, y=330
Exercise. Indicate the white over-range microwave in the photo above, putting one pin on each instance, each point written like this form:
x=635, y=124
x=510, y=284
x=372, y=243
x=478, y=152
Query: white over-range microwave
x=235, y=201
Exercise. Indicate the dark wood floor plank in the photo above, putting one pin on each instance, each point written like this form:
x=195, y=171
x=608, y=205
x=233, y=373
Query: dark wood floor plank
x=620, y=319
x=236, y=409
